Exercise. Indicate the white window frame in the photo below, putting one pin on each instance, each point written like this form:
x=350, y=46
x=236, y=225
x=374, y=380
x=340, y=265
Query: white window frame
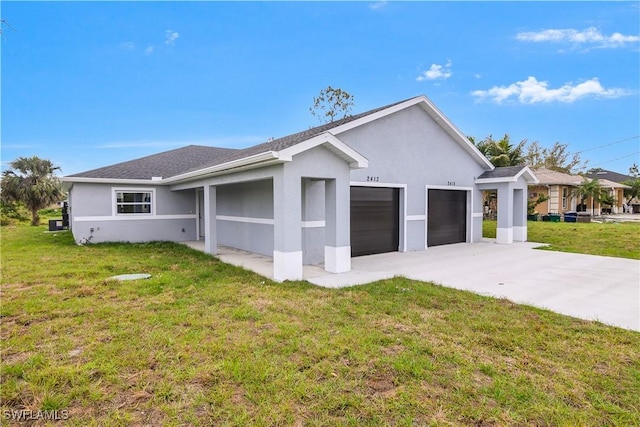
x=114, y=202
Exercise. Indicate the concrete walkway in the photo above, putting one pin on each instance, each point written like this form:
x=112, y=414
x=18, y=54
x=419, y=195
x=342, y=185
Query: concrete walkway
x=585, y=286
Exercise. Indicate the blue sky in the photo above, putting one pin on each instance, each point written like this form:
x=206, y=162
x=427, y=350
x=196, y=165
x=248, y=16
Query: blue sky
x=89, y=84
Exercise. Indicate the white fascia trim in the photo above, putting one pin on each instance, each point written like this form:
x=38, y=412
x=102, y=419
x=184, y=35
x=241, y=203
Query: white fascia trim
x=449, y=187
x=245, y=219
x=72, y=179
x=245, y=161
x=313, y=224
x=376, y=184
x=132, y=217
x=495, y=180
x=355, y=159
x=533, y=179
x=434, y=112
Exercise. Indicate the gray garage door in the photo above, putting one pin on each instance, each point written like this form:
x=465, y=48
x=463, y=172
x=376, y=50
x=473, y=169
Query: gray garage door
x=375, y=214
x=447, y=217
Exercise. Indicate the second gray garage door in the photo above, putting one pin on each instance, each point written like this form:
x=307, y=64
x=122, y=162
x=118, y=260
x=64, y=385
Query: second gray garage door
x=446, y=217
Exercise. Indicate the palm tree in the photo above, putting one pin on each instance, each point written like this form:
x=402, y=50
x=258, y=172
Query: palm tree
x=501, y=152
x=31, y=180
x=590, y=188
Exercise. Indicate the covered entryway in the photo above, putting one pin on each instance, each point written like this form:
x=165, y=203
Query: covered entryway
x=446, y=217
x=375, y=215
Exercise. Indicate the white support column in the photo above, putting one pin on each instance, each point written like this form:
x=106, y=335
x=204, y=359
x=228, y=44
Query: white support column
x=337, y=249
x=519, y=215
x=504, y=231
x=287, y=227
x=209, y=212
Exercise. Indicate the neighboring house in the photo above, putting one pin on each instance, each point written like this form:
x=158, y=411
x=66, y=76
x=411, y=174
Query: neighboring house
x=607, y=177
x=561, y=190
x=397, y=178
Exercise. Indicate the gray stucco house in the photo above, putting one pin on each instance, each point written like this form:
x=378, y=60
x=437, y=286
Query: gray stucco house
x=397, y=178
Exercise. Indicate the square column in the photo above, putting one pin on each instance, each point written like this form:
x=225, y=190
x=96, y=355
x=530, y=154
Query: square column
x=504, y=232
x=337, y=249
x=210, y=237
x=519, y=215
x=287, y=226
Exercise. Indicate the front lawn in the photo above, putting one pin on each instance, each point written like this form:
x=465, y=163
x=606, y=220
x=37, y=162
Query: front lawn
x=204, y=343
x=617, y=239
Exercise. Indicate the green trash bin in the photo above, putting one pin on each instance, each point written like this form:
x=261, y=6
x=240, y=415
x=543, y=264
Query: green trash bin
x=554, y=217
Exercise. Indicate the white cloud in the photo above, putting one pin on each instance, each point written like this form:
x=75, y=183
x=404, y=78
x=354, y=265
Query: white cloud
x=171, y=37
x=149, y=50
x=532, y=91
x=378, y=5
x=589, y=36
x=436, y=72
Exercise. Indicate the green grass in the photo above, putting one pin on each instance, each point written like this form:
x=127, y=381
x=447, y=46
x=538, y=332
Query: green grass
x=204, y=343
x=617, y=239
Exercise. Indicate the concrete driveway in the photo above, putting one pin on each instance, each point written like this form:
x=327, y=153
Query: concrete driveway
x=584, y=286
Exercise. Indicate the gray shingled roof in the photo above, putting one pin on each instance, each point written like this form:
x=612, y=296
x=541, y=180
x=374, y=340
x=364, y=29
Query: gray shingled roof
x=502, y=172
x=165, y=164
x=196, y=157
x=609, y=175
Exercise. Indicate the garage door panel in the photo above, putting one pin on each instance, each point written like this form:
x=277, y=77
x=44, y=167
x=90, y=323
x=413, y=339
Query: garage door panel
x=374, y=220
x=447, y=217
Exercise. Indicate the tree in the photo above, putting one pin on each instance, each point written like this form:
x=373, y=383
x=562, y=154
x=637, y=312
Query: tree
x=557, y=158
x=332, y=104
x=501, y=152
x=590, y=188
x=633, y=171
x=634, y=191
x=31, y=181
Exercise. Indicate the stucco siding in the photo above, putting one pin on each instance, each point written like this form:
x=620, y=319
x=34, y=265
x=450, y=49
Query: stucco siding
x=410, y=148
x=91, y=200
x=243, y=204
x=175, y=230
x=92, y=207
x=247, y=199
x=250, y=237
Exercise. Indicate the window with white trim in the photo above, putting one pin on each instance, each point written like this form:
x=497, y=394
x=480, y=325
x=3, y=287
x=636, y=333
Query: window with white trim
x=134, y=202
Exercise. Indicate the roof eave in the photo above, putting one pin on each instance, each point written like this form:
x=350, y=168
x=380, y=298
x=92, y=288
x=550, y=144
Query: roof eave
x=88, y=180
x=257, y=160
x=525, y=172
x=355, y=159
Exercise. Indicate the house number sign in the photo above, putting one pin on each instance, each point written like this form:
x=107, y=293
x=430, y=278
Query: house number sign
x=373, y=179
x=451, y=183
